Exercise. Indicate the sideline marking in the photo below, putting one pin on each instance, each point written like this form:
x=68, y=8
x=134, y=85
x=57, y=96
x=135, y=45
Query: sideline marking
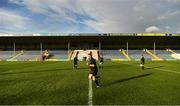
x=90, y=97
x=165, y=70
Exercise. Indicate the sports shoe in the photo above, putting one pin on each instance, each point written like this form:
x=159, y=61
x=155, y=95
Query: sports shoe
x=97, y=86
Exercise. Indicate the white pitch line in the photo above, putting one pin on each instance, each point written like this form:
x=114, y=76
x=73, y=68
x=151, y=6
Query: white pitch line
x=160, y=69
x=90, y=97
x=165, y=70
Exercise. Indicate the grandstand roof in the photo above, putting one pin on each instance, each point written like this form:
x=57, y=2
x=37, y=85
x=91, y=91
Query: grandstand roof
x=89, y=34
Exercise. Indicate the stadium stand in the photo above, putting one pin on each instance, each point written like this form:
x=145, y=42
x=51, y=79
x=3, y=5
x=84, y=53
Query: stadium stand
x=125, y=54
x=112, y=54
x=175, y=54
x=136, y=54
x=66, y=46
x=177, y=51
x=70, y=52
x=36, y=55
x=165, y=55
x=95, y=54
x=29, y=55
x=74, y=53
x=17, y=53
x=59, y=54
x=84, y=54
x=4, y=55
x=155, y=57
x=107, y=54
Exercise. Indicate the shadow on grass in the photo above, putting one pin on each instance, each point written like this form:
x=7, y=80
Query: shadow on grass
x=127, y=79
x=148, y=68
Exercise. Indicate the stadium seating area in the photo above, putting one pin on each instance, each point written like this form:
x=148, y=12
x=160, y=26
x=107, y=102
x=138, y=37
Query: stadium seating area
x=177, y=51
x=136, y=54
x=32, y=55
x=28, y=55
x=82, y=54
x=59, y=54
x=165, y=55
x=4, y=55
x=107, y=54
x=74, y=53
x=175, y=54
x=112, y=54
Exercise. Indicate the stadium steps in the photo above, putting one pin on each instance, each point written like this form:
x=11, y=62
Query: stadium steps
x=18, y=54
x=169, y=50
x=164, y=54
x=95, y=54
x=125, y=54
x=70, y=53
x=84, y=53
x=5, y=55
x=113, y=55
x=154, y=56
x=174, y=54
x=74, y=53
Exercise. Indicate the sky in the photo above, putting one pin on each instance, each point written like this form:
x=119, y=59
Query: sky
x=89, y=16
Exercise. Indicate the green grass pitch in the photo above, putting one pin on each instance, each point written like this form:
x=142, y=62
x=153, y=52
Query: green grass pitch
x=57, y=83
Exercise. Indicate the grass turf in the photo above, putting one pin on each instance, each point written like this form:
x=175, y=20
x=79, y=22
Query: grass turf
x=57, y=83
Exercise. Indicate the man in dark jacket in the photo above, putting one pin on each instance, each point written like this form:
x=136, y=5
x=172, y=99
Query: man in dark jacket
x=142, y=62
x=93, y=69
x=75, y=61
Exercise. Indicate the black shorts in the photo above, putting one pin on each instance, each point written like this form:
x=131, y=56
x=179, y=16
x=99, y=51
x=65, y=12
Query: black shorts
x=101, y=63
x=142, y=63
x=93, y=72
x=44, y=57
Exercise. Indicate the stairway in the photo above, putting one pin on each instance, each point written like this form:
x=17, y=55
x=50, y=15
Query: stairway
x=154, y=56
x=125, y=54
x=18, y=54
x=84, y=53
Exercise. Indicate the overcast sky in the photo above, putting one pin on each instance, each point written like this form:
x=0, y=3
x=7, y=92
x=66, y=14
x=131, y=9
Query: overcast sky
x=112, y=16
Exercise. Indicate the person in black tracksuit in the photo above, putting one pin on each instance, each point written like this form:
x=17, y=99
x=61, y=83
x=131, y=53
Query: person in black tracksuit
x=75, y=61
x=142, y=62
x=93, y=70
x=101, y=61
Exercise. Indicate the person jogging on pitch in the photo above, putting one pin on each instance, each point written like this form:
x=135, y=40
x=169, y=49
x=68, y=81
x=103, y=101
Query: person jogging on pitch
x=75, y=61
x=101, y=61
x=142, y=61
x=93, y=69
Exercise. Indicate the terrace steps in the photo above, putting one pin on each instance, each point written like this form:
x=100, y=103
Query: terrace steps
x=18, y=54
x=151, y=54
x=84, y=53
x=125, y=54
x=174, y=54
